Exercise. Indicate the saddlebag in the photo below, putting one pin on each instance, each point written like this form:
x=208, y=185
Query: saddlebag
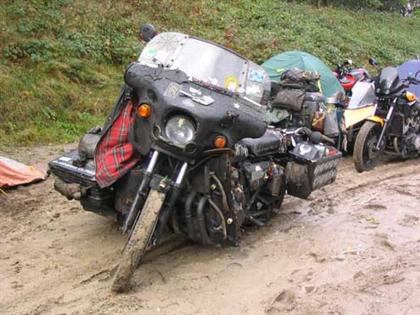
x=313, y=167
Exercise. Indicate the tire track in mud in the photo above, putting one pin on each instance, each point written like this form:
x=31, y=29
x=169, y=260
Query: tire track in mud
x=349, y=246
x=381, y=173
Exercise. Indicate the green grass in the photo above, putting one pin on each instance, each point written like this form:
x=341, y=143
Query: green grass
x=62, y=61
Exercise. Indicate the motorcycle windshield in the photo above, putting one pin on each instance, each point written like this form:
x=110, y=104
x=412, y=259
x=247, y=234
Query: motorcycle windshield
x=363, y=94
x=409, y=69
x=388, y=81
x=206, y=62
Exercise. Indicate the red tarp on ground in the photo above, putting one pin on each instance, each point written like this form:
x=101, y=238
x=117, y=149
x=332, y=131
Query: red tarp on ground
x=13, y=173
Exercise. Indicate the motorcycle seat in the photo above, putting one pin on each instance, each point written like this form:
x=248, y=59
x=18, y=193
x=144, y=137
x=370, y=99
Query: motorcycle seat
x=271, y=142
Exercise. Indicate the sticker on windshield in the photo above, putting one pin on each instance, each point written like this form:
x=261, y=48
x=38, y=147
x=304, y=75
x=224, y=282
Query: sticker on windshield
x=256, y=76
x=253, y=90
x=172, y=90
x=231, y=83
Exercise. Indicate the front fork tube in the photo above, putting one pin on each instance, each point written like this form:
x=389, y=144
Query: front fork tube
x=132, y=214
x=379, y=146
x=175, y=192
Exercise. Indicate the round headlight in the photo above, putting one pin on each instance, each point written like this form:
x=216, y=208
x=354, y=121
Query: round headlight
x=180, y=130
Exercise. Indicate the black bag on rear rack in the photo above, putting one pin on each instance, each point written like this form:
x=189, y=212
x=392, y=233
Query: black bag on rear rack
x=298, y=92
x=294, y=85
x=299, y=79
x=291, y=99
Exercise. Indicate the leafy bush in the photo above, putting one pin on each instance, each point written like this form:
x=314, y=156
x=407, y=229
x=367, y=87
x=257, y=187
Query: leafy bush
x=62, y=61
x=36, y=50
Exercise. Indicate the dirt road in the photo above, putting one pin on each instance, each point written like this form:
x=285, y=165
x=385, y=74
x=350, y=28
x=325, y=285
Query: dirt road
x=353, y=248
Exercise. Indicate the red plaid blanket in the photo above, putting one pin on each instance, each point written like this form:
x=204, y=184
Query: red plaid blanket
x=115, y=155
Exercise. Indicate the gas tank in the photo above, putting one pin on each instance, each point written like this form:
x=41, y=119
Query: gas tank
x=348, y=82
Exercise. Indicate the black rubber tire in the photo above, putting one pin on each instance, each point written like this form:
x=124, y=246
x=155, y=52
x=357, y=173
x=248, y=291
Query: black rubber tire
x=138, y=241
x=362, y=161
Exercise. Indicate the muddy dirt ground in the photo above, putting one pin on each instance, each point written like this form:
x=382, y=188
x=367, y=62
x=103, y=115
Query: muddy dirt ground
x=352, y=248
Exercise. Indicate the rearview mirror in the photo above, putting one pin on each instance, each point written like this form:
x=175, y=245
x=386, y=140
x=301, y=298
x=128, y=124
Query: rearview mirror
x=373, y=62
x=147, y=32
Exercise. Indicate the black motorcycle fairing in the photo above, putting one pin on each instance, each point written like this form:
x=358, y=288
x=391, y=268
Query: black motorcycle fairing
x=142, y=79
x=171, y=93
x=388, y=82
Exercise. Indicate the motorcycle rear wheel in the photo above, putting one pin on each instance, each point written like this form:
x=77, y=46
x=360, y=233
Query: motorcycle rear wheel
x=138, y=241
x=364, y=157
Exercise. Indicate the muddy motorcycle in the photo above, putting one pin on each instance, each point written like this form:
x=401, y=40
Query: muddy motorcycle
x=297, y=101
x=209, y=163
x=348, y=76
x=394, y=129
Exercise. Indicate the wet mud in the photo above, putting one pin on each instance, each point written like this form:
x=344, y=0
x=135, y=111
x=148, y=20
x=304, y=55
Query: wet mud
x=351, y=248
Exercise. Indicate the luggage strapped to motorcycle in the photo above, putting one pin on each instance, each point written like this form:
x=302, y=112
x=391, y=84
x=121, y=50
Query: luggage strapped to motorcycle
x=293, y=87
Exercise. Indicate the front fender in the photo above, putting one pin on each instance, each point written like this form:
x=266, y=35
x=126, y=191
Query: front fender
x=377, y=119
x=355, y=116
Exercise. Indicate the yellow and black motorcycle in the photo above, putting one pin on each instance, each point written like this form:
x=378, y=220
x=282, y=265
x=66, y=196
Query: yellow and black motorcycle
x=394, y=129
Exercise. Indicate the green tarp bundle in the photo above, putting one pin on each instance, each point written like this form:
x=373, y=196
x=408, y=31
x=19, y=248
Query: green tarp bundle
x=276, y=65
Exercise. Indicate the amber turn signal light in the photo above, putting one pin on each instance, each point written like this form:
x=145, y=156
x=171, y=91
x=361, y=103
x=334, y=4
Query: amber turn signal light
x=144, y=111
x=411, y=97
x=220, y=142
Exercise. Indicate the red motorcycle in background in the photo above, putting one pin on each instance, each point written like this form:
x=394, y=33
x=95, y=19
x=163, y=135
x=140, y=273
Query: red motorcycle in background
x=348, y=76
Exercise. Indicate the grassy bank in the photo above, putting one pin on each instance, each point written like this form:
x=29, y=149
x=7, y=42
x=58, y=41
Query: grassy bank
x=62, y=61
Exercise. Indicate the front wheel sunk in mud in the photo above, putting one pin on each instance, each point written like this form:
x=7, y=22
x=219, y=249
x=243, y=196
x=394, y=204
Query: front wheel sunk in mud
x=364, y=154
x=138, y=241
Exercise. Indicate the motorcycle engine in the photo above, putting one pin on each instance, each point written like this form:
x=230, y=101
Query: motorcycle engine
x=267, y=177
x=413, y=142
x=410, y=141
x=412, y=124
x=256, y=174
